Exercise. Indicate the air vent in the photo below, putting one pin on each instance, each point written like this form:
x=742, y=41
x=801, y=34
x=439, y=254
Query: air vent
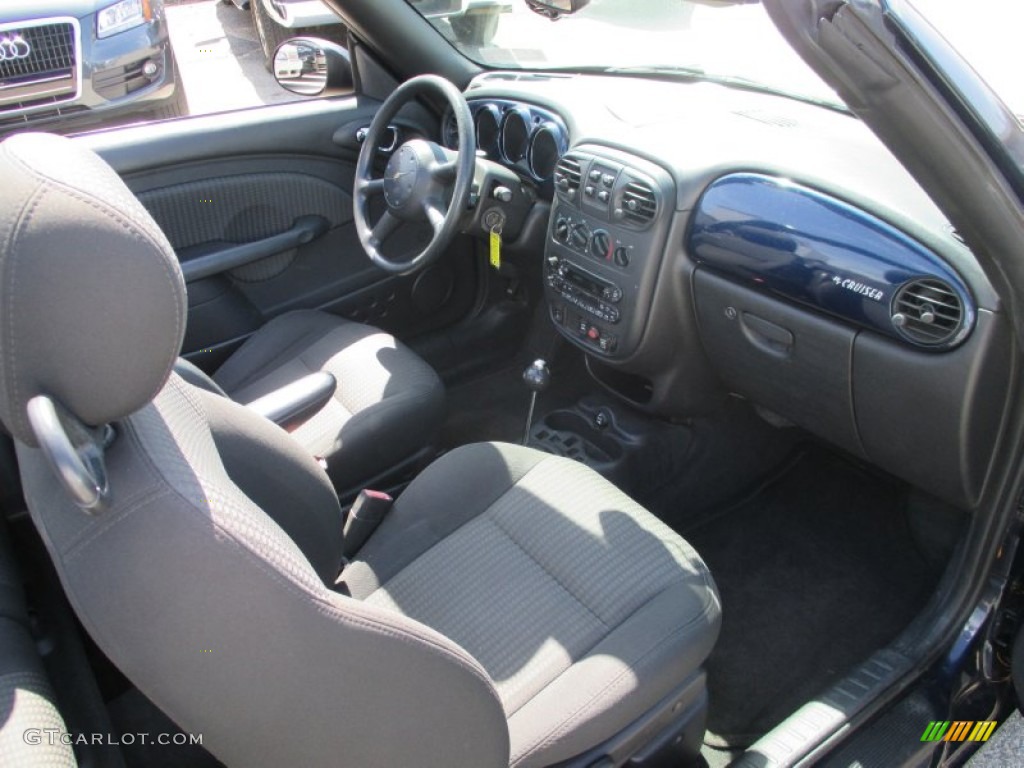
x=568, y=176
x=928, y=312
x=639, y=205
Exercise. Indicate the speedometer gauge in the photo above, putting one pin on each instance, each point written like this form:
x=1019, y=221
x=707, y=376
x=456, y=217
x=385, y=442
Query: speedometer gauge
x=544, y=151
x=515, y=135
x=487, y=128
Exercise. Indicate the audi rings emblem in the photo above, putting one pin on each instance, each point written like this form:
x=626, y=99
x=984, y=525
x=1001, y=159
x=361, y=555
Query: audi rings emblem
x=13, y=48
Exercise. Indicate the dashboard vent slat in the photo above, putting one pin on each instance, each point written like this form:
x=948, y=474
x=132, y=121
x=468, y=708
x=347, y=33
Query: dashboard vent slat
x=639, y=205
x=940, y=307
x=928, y=312
x=568, y=176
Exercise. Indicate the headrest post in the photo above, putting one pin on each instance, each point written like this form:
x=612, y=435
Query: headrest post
x=74, y=452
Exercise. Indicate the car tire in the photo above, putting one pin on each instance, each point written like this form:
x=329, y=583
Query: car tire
x=270, y=33
x=475, y=28
x=177, y=105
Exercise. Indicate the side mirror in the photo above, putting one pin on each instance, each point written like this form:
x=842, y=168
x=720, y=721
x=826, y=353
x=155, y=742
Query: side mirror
x=310, y=66
x=556, y=9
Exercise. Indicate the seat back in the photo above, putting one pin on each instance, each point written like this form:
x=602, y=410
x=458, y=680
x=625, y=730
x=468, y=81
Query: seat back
x=28, y=704
x=196, y=545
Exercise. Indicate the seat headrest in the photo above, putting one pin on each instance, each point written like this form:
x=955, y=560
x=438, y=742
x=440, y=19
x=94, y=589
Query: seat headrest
x=92, y=299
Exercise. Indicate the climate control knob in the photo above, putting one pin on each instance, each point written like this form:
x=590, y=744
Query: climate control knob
x=600, y=245
x=562, y=230
x=621, y=256
x=579, y=235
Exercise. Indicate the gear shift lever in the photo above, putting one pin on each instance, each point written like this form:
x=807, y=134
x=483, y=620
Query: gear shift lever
x=537, y=377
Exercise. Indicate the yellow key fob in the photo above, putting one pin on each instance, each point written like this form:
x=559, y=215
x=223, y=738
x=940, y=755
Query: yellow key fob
x=495, y=239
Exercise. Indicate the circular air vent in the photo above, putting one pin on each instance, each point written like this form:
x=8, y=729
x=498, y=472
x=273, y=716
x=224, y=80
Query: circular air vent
x=928, y=312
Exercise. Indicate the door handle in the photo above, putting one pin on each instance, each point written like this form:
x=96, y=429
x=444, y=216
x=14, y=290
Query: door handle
x=216, y=258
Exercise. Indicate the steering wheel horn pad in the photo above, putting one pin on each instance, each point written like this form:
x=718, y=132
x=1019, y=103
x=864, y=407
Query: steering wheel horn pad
x=414, y=174
x=401, y=177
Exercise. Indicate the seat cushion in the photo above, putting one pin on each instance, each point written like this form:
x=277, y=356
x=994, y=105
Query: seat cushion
x=388, y=404
x=583, y=607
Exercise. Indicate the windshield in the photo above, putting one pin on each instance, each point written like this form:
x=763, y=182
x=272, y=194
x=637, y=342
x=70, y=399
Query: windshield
x=730, y=42
x=735, y=42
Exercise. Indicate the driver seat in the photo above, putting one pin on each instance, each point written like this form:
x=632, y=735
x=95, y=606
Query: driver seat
x=513, y=610
x=386, y=408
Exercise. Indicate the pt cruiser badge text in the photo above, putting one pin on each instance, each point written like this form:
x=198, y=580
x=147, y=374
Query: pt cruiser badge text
x=857, y=287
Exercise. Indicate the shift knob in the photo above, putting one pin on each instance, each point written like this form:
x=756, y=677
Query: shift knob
x=537, y=376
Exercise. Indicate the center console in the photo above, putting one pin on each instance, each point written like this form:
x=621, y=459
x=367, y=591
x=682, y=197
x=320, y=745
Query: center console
x=604, y=245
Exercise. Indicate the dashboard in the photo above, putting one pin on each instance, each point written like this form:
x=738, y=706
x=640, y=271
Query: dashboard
x=705, y=240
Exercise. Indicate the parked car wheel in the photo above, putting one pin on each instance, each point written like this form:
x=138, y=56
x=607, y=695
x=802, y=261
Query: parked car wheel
x=178, y=105
x=475, y=28
x=271, y=33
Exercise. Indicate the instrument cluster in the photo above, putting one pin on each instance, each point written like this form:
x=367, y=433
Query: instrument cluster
x=525, y=138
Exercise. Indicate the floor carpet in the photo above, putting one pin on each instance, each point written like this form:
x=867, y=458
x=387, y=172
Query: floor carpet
x=816, y=571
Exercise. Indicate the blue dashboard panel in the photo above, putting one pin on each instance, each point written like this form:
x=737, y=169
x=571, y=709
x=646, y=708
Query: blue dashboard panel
x=812, y=248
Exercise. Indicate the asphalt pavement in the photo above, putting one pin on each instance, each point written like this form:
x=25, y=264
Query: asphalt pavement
x=220, y=59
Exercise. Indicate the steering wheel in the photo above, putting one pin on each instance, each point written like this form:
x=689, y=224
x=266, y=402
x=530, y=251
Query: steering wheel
x=417, y=179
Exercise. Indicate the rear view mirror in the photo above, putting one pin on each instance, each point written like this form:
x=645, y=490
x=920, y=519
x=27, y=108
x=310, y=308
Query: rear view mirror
x=555, y=9
x=310, y=66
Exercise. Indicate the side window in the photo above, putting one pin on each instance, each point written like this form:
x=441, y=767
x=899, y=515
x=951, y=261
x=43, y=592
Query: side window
x=131, y=61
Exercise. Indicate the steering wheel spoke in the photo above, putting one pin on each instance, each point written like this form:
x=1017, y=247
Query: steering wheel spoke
x=383, y=229
x=371, y=186
x=446, y=172
x=435, y=215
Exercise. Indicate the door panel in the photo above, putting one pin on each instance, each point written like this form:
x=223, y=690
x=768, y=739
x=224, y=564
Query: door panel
x=233, y=181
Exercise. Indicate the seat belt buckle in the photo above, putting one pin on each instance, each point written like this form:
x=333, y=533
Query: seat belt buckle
x=366, y=513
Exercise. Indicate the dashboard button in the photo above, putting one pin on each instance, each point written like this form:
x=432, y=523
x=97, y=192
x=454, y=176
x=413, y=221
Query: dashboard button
x=607, y=179
x=603, y=196
x=588, y=191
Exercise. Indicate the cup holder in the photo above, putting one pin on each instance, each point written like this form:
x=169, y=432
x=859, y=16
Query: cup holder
x=569, y=434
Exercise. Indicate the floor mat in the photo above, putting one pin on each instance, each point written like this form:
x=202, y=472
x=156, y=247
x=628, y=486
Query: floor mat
x=494, y=407
x=816, y=571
